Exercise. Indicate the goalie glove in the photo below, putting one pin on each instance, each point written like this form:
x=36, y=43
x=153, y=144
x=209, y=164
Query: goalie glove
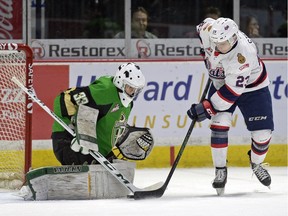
x=134, y=144
x=76, y=147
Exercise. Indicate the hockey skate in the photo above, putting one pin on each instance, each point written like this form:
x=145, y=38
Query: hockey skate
x=260, y=172
x=220, y=180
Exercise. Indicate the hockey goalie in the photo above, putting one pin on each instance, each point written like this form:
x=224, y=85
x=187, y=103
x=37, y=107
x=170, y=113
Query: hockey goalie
x=98, y=114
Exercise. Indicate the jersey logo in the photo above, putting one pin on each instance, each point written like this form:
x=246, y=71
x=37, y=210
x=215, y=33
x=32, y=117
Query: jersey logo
x=241, y=58
x=217, y=73
x=119, y=128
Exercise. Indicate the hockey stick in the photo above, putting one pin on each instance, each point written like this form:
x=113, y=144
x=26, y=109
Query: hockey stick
x=160, y=191
x=98, y=156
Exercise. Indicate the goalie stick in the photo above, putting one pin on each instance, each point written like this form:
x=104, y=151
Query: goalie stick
x=160, y=191
x=97, y=155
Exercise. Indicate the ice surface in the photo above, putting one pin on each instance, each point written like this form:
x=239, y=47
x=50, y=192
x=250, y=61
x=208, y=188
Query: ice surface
x=189, y=193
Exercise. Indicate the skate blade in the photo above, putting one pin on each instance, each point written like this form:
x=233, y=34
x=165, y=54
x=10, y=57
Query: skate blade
x=220, y=191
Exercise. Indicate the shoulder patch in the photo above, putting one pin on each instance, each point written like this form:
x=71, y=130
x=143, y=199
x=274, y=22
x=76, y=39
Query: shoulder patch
x=241, y=58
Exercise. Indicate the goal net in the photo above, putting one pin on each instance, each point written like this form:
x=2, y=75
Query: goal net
x=15, y=114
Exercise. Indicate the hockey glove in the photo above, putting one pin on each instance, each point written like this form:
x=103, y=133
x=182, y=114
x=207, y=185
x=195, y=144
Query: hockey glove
x=76, y=147
x=201, y=111
x=134, y=144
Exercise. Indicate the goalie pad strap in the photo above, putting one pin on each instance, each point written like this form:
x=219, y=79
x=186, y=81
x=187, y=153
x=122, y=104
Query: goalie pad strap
x=87, y=138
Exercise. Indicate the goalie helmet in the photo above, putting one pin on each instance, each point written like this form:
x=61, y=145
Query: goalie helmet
x=224, y=29
x=131, y=75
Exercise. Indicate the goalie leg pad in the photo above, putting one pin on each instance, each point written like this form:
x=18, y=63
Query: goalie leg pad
x=76, y=182
x=134, y=144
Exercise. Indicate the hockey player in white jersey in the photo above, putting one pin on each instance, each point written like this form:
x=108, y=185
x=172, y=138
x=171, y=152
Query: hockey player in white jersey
x=239, y=79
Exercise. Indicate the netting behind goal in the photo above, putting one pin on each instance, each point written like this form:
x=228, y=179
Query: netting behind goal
x=15, y=114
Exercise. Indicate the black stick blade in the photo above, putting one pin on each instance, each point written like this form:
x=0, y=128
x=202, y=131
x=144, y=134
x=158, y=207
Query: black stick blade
x=148, y=194
x=138, y=195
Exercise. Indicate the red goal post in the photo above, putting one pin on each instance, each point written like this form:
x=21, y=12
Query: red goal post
x=15, y=114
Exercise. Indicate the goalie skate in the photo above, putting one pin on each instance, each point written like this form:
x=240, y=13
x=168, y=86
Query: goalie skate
x=220, y=180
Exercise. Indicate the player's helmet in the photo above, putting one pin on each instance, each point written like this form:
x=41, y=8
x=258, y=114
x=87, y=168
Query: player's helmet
x=128, y=74
x=224, y=29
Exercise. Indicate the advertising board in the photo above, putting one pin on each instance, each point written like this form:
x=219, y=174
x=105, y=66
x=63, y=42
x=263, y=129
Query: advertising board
x=171, y=88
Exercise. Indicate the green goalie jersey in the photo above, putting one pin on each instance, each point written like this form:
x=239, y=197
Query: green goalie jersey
x=102, y=95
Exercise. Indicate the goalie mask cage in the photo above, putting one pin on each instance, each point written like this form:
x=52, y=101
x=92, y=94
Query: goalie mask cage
x=15, y=114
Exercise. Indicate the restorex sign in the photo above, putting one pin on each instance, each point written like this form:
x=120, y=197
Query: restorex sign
x=140, y=48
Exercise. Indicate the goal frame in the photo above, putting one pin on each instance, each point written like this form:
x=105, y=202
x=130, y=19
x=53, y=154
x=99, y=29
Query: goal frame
x=28, y=101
